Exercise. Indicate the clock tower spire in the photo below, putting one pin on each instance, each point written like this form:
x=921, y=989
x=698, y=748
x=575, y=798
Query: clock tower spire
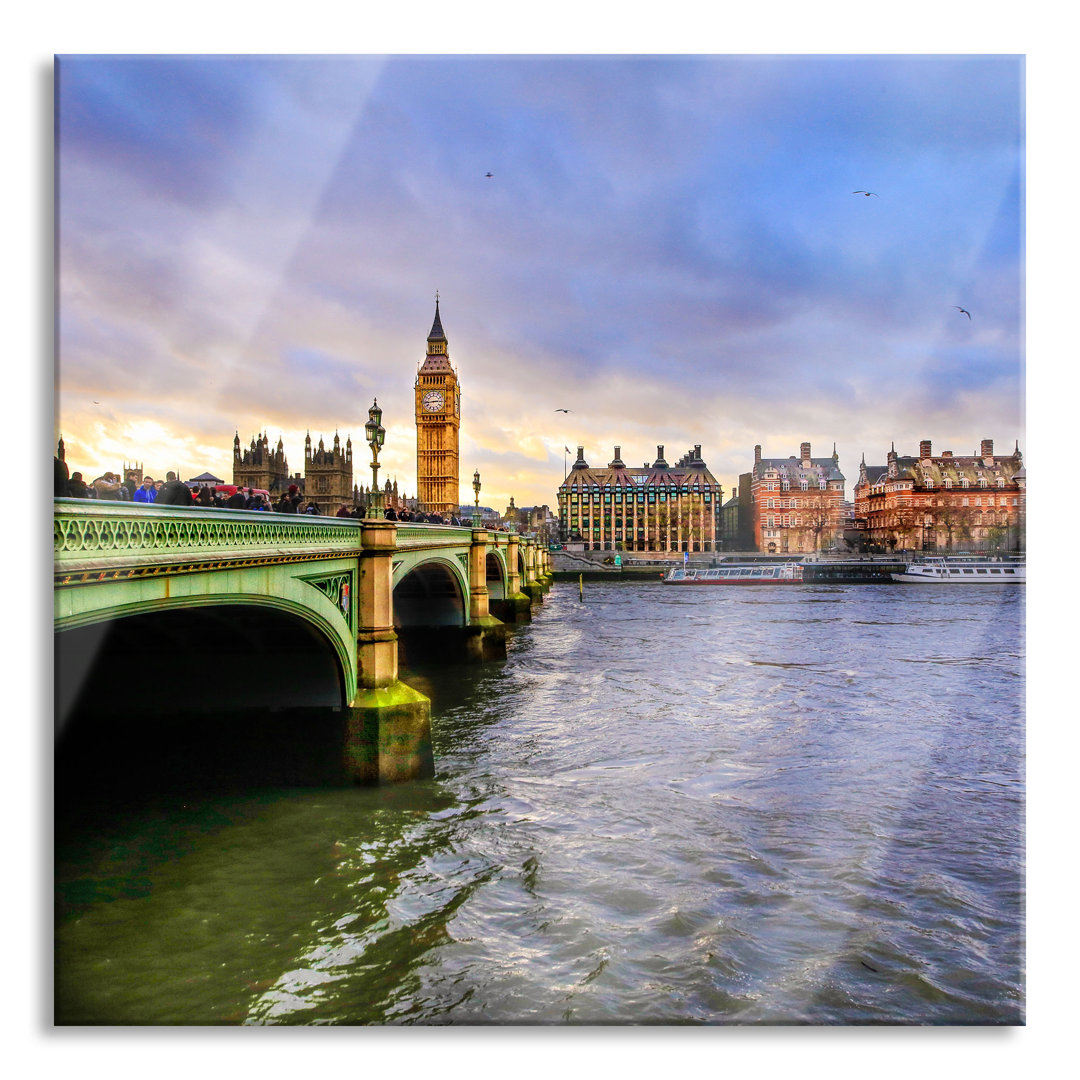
x=438, y=418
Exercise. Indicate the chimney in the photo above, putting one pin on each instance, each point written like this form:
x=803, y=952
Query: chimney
x=618, y=462
x=924, y=450
x=804, y=450
x=757, y=455
x=697, y=451
x=946, y=453
x=987, y=451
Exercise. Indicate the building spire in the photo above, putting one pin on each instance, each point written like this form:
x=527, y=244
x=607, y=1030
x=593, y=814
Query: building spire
x=436, y=327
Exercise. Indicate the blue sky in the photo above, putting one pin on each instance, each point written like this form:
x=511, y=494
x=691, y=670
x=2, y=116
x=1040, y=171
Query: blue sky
x=670, y=246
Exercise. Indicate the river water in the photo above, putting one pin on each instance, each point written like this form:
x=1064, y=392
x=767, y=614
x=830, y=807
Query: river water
x=699, y=805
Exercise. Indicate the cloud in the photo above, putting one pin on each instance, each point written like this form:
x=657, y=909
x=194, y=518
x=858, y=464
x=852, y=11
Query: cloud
x=669, y=246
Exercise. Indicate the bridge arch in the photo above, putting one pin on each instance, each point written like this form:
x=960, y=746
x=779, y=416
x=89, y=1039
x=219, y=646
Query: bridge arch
x=495, y=575
x=432, y=592
x=227, y=652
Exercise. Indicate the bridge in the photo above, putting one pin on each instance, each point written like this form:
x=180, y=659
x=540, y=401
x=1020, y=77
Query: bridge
x=309, y=610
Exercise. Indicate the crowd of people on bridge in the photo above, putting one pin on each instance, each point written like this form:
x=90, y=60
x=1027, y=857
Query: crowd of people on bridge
x=175, y=492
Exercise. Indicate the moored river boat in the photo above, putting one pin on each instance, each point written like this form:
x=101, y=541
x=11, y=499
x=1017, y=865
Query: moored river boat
x=777, y=574
x=960, y=571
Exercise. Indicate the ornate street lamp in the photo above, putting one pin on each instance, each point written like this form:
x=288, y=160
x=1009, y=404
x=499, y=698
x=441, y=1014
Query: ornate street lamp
x=376, y=436
x=476, y=489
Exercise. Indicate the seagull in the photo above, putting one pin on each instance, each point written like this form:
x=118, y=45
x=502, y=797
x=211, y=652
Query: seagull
x=489, y=175
x=867, y=193
x=962, y=311
x=564, y=410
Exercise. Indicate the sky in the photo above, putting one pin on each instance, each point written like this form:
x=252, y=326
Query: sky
x=670, y=246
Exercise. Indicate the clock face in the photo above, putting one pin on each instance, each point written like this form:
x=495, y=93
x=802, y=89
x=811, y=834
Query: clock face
x=433, y=401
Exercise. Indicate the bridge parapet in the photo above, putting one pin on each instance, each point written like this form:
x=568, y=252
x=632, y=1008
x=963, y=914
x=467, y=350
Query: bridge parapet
x=109, y=541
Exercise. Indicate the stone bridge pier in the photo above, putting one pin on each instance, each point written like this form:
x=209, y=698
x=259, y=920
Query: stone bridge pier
x=388, y=723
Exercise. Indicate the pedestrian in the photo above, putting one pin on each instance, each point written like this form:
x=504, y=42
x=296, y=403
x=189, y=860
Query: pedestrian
x=205, y=496
x=343, y=511
x=129, y=487
x=77, y=488
x=60, y=477
x=391, y=515
x=173, y=492
x=107, y=486
x=147, y=493
x=311, y=508
x=237, y=501
x=290, y=501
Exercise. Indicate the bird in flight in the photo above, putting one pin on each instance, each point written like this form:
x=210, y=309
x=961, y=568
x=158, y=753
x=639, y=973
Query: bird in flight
x=564, y=410
x=962, y=311
x=489, y=175
x=868, y=193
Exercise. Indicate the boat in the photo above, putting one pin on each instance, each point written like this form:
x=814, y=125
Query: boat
x=777, y=574
x=961, y=571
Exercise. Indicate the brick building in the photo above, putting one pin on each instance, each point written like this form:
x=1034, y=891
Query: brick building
x=792, y=504
x=657, y=507
x=943, y=502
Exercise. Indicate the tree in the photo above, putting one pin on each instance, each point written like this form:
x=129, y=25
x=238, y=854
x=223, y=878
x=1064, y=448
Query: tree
x=902, y=523
x=996, y=536
x=820, y=516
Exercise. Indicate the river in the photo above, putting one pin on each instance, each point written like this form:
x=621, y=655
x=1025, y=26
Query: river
x=796, y=805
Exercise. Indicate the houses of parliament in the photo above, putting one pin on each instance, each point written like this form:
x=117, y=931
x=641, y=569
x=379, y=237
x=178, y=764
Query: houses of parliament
x=327, y=479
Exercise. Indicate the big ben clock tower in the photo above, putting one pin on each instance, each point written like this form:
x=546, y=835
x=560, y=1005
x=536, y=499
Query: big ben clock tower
x=438, y=418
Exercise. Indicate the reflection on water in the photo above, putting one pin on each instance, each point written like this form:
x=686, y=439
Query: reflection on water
x=667, y=806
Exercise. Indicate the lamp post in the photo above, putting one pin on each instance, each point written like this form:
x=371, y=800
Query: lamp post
x=376, y=436
x=476, y=490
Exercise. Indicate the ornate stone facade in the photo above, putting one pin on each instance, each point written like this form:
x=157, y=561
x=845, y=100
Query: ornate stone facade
x=260, y=467
x=796, y=503
x=659, y=507
x=943, y=502
x=328, y=479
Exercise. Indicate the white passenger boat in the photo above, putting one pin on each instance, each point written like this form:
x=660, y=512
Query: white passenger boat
x=960, y=571
x=786, y=574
